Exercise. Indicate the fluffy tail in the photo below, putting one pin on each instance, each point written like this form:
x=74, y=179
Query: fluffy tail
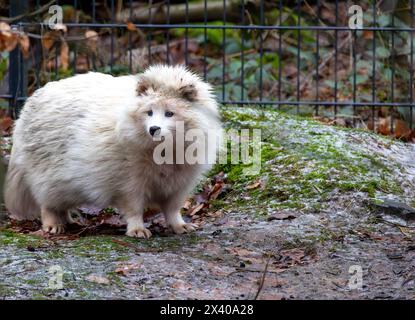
x=18, y=198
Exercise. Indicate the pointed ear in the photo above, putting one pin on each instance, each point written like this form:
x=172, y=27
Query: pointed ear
x=143, y=85
x=188, y=92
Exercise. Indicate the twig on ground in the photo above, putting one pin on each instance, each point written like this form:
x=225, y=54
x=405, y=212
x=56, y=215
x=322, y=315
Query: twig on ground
x=262, y=280
x=239, y=270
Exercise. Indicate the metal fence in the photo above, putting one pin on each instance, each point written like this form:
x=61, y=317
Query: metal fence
x=300, y=56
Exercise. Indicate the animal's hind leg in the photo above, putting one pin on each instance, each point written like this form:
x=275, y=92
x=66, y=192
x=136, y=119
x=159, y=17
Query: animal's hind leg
x=54, y=221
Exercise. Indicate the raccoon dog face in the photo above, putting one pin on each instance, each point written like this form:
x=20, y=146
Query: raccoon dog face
x=171, y=100
x=162, y=116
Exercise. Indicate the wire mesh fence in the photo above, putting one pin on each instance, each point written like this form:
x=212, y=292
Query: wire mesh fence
x=352, y=65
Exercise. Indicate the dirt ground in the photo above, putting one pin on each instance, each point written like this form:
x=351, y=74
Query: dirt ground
x=330, y=216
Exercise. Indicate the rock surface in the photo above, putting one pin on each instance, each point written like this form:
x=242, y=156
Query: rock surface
x=314, y=218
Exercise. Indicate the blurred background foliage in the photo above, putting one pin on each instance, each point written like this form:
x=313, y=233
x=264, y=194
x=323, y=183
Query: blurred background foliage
x=243, y=65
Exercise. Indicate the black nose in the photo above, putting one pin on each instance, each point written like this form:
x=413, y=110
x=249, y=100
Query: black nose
x=153, y=130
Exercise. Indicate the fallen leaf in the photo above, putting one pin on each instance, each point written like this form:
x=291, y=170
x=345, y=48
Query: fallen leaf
x=291, y=257
x=64, y=56
x=48, y=40
x=131, y=26
x=97, y=279
x=202, y=196
x=282, y=216
x=82, y=63
x=400, y=128
x=254, y=185
x=6, y=123
x=24, y=44
x=124, y=270
x=181, y=285
x=196, y=209
x=91, y=37
x=407, y=232
x=220, y=177
x=8, y=39
x=216, y=191
x=273, y=281
x=241, y=252
x=368, y=35
x=340, y=283
x=248, y=256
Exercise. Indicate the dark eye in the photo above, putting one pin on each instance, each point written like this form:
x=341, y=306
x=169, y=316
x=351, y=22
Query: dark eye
x=150, y=113
x=169, y=114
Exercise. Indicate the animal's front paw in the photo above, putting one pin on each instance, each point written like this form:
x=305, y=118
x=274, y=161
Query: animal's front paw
x=138, y=232
x=184, y=228
x=53, y=228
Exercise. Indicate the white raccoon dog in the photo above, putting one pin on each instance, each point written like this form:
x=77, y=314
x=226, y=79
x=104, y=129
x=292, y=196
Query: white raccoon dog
x=89, y=140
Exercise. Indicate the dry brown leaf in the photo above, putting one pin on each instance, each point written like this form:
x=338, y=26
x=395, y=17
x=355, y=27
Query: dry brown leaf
x=282, y=216
x=124, y=270
x=82, y=63
x=48, y=40
x=24, y=44
x=131, y=26
x=91, y=37
x=6, y=123
x=215, y=214
x=241, y=252
x=251, y=257
x=407, y=232
x=64, y=55
x=293, y=256
x=8, y=39
x=97, y=279
x=216, y=191
x=254, y=185
x=273, y=281
x=4, y=28
x=368, y=35
x=196, y=209
x=400, y=128
x=181, y=285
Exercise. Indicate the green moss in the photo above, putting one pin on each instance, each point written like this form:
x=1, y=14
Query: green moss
x=116, y=279
x=302, y=163
x=101, y=247
x=6, y=290
x=8, y=237
x=54, y=254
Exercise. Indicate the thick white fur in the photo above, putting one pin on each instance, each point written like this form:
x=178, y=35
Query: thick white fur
x=85, y=141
